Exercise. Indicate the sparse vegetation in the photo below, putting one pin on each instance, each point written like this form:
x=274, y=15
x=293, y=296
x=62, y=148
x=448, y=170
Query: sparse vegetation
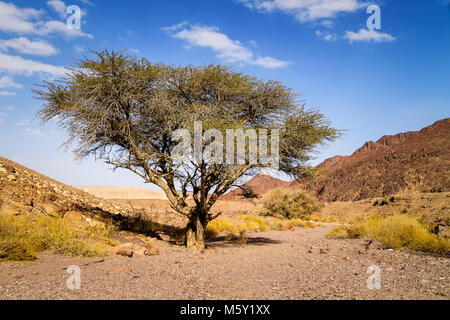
x=396, y=232
x=290, y=204
x=23, y=236
x=243, y=224
x=124, y=110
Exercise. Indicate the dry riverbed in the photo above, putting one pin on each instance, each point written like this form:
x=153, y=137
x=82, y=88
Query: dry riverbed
x=301, y=264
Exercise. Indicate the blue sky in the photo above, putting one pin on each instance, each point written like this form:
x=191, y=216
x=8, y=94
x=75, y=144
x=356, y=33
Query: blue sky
x=370, y=82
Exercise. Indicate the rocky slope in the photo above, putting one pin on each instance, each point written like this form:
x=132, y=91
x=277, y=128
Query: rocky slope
x=417, y=161
x=260, y=184
x=24, y=190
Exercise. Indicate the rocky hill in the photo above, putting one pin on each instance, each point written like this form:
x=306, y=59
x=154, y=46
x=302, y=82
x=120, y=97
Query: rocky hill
x=417, y=161
x=24, y=190
x=260, y=184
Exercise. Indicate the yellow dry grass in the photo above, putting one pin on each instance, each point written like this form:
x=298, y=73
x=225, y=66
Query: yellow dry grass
x=396, y=232
x=23, y=236
x=242, y=224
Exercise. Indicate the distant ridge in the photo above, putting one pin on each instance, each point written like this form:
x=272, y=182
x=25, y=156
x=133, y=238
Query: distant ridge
x=260, y=184
x=124, y=193
x=411, y=161
x=417, y=161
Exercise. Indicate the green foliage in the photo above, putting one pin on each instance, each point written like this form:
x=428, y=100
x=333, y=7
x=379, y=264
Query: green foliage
x=290, y=204
x=396, y=232
x=124, y=110
x=23, y=236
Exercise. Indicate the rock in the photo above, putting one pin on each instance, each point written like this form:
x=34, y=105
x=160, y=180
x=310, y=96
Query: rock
x=3, y=170
x=94, y=223
x=164, y=236
x=152, y=251
x=373, y=245
x=140, y=251
x=146, y=250
x=441, y=230
x=73, y=215
x=11, y=177
x=48, y=207
x=125, y=249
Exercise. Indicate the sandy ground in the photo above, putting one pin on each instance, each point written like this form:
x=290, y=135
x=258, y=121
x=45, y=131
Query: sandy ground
x=301, y=264
x=124, y=192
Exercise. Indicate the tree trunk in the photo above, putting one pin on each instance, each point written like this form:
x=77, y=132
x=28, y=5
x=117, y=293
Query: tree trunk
x=195, y=233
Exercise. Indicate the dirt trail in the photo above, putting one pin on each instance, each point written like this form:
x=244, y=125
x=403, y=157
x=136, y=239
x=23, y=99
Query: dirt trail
x=301, y=264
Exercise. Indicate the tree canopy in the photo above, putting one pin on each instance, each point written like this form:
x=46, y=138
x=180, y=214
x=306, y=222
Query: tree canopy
x=124, y=110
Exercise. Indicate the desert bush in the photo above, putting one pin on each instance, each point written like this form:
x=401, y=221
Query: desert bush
x=243, y=224
x=290, y=204
x=23, y=236
x=396, y=232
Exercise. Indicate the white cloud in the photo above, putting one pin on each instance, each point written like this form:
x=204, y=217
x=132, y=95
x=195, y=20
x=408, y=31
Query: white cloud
x=7, y=93
x=33, y=132
x=306, y=10
x=2, y=120
x=175, y=27
x=59, y=6
x=23, y=123
x=134, y=51
x=26, y=21
x=8, y=82
x=87, y=2
x=18, y=65
x=226, y=48
x=368, y=36
x=13, y=19
x=327, y=36
x=23, y=45
x=53, y=26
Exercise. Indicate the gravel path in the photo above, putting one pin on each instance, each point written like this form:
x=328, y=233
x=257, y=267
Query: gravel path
x=301, y=264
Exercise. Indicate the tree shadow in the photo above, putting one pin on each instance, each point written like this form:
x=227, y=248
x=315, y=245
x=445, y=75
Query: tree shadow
x=226, y=241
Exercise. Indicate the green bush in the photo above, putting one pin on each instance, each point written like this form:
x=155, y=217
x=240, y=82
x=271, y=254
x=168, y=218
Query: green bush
x=290, y=204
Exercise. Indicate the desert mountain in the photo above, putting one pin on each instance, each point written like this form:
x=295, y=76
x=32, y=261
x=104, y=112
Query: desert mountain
x=24, y=190
x=417, y=161
x=260, y=184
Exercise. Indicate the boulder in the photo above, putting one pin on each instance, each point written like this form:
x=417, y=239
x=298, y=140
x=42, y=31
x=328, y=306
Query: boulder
x=152, y=251
x=130, y=249
x=48, y=207
x=124, y=249
x=73, y=216
x=145, y=250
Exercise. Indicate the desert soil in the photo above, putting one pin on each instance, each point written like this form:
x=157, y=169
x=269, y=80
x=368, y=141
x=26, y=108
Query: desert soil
x=301, y=264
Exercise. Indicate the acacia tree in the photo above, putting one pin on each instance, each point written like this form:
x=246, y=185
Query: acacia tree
x=124, y=110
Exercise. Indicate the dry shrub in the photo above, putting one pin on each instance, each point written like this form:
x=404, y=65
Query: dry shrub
x=23, y=236
x=243, y=224
x=396, y=232
x=290, y=204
